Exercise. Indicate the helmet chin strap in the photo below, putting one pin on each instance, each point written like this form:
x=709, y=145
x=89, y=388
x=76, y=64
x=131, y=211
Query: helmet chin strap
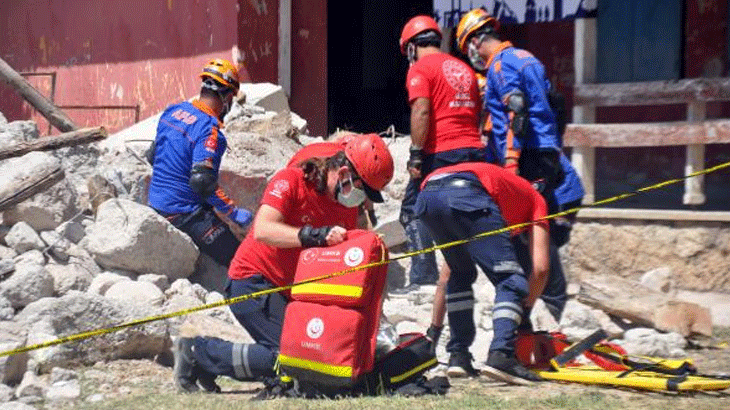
x=222, y=93
x=226, y=106
x=473, y=51
x=411, y=53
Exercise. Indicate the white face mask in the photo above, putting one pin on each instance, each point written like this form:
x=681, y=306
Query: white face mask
x=473, y=51
x=352, y=199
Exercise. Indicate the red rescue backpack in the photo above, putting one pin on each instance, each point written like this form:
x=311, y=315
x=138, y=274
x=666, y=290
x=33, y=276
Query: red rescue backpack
x=330, y=328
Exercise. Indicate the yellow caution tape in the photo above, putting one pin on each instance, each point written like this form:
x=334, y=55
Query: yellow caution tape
x=138, y=322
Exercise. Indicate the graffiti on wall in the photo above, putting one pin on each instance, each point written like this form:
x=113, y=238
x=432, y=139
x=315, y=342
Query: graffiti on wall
x=448, y=12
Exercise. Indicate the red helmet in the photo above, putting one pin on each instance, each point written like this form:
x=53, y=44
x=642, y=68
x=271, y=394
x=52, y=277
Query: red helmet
x=373, y=163
x=344, y=137
x=416, y=26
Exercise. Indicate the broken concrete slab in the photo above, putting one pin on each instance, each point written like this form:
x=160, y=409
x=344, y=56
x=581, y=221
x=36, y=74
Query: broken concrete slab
x=269, y=96
x=629, y=300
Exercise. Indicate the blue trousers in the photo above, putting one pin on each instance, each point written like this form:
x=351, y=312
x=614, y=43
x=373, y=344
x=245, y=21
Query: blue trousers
x=263, y=318
x=457, y=207
x=213, y=237
x=423, y=266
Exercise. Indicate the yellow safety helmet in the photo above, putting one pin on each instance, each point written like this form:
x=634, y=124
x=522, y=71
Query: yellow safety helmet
x=223, y=72
x=472, y=22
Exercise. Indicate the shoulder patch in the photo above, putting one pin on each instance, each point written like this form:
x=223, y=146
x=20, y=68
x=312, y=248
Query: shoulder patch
x=279, y=187
x=211, y=143
x=523, y=54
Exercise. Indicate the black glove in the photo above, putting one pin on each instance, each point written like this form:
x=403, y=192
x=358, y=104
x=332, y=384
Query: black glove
x=416, y=159
x=560, y=228
x=540, y=185
x=526, y=324
x=313, y=237
x=434, y=334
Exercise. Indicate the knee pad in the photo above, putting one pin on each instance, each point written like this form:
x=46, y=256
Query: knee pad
x=203, y=180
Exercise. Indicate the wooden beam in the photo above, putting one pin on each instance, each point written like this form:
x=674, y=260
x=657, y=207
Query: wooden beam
x=56, y=117
x=82, y=136
x=652, y=92
x=647, y=134
x=27, y=188
x=653, y=215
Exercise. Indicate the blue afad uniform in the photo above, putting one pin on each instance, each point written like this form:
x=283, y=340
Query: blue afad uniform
x=570, y=192
x=188, y=139
x=516, y=70
x=568, y=195
x=523, y=123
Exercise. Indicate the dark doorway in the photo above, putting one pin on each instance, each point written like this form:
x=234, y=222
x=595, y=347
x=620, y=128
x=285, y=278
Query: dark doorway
x=365, y=70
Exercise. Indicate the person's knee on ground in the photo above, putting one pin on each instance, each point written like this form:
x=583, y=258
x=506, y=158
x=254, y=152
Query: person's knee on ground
x=240, y=361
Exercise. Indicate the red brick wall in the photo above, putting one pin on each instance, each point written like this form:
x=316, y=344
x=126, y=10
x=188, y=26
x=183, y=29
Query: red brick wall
x=103, y=54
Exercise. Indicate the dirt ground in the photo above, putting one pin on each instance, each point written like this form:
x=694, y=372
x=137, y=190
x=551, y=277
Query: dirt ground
x=125, y=380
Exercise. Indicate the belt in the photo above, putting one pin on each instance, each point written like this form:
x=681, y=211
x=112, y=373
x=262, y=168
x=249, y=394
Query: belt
x=187, y=217
x=451, y=181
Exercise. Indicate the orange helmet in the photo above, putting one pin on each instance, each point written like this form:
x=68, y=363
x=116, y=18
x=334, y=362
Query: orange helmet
x=416, y=26
x=472, y=22
x=222, y=71
x=372, y=162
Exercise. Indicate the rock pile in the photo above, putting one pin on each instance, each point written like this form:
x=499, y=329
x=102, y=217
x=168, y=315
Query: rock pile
x=88, y=254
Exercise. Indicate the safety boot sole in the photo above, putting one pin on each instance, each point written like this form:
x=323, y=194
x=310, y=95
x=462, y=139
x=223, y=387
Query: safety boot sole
x=502, y=376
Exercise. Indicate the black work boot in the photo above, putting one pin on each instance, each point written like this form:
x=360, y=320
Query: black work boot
x=460, y=365
x=506, y=368
x=187, y=372
x=184, y=368
x=207, y=381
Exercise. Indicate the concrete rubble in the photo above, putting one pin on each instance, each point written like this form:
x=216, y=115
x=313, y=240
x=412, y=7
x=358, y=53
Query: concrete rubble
x=70, y=263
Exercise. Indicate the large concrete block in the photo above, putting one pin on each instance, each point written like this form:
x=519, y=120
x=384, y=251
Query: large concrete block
x=267, y=95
